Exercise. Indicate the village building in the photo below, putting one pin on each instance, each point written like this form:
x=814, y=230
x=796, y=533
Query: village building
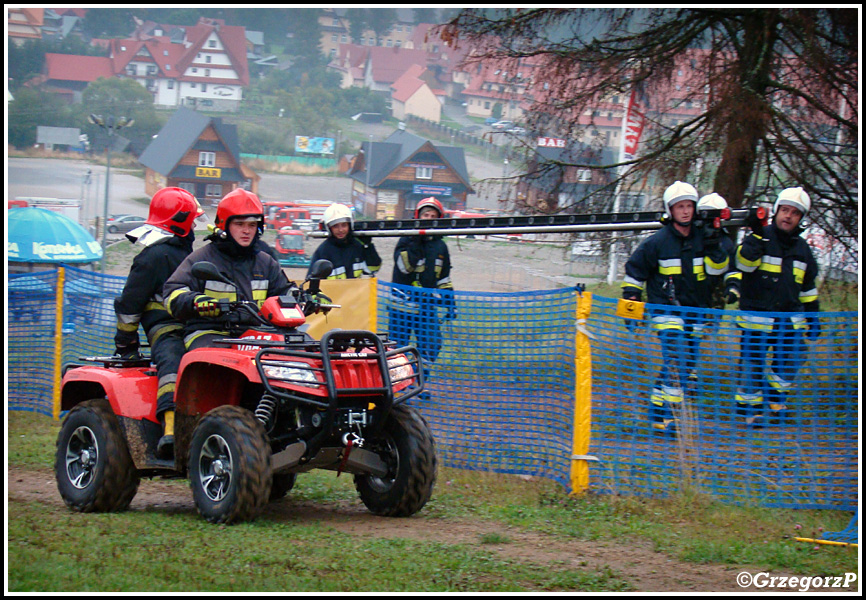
x=198, y=153
x=390, y=177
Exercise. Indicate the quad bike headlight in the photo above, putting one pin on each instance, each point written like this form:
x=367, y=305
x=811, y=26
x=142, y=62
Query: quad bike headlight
x=297, y=373
x=399, y=368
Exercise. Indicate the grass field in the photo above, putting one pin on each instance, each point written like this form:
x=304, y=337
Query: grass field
x=481, y=532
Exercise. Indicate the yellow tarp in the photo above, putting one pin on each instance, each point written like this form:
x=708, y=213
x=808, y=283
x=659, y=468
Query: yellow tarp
x=357, y=298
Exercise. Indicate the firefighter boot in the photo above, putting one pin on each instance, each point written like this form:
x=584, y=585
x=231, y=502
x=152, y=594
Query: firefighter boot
x=662, y=420
x=165, y=447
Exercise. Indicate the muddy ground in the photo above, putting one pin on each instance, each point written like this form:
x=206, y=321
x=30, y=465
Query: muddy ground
x=646, y=569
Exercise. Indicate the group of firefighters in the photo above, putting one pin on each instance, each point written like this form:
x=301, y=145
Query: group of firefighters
x=771, y=271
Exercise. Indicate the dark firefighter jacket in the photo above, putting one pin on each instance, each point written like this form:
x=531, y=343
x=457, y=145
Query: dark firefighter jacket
x=674, y=269
x=779, y=272
x=141, y=301
x=257, y=275
x=422, y=261
x=350, y=256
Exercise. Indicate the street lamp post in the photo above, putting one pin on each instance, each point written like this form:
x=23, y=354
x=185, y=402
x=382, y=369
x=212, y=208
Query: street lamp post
x=110, y=125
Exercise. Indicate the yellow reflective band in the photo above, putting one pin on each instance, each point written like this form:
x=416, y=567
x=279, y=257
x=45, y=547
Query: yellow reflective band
x=755, y=323
x=127, y=327
x=744, y=264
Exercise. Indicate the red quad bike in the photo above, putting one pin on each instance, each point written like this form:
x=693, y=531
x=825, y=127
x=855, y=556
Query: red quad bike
x=250, y=415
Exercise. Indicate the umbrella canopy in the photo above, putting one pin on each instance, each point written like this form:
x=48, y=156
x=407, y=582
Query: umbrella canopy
x=43, y=236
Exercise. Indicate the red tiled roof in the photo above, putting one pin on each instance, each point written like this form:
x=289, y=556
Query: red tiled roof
x=389, y=63
x=408, y=83
x=67, y=67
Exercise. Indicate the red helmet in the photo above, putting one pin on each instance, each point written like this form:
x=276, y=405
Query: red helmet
x=174, y=210
x=431, y=201
x=239, y=203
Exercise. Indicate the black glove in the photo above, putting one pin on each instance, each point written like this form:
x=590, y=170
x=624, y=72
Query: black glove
x=206, y=306
x=712, y=236
x=733, y=296
x=127, y=353
x=755, y=223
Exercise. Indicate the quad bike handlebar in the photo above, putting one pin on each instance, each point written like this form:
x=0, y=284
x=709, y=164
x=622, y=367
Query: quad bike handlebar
x=246, y=312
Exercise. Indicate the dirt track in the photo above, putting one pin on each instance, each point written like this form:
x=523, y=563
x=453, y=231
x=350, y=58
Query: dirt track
x=645, y=569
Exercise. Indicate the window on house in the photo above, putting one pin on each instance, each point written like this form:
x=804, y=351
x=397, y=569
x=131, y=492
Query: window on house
x=334, y=37
x=170, y=84
x=211, y=43
x=168, y=67
x=584, y=175
x=207, y=72
x=206, y=159
x=204, y=87
x=344, y=38
x=207, y=58
x=423, y=173
x=213, y=190
x=194, y=70
x=187, y=185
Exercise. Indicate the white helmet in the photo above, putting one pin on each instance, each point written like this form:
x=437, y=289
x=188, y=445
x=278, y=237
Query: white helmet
x=712, y=201
x=337, y=213
x=677, y=192
x=795, y=197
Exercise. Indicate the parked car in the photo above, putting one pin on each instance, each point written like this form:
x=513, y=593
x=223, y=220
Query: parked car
x=517, y=130
x=503, y=125
x=490, y=121
x=123, y=223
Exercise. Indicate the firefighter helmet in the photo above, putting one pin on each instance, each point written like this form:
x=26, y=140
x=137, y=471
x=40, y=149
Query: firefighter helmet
x=712, y=201
x=336, y=213
x=795, y=197
x=677, y=192
x=239, y=203
x=431, y=201
x=174, y=210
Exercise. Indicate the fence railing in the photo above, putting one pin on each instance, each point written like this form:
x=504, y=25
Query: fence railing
x=508, y=389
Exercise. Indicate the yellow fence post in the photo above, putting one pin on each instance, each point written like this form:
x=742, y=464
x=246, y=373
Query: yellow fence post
x=582, y=397
x=58, y=342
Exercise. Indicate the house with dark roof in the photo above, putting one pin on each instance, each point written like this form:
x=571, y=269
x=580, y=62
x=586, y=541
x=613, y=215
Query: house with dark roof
x=390, y=177
x=198, y=153
x=568, y=176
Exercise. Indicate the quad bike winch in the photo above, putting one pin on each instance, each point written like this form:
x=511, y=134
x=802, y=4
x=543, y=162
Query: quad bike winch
x=267, y=404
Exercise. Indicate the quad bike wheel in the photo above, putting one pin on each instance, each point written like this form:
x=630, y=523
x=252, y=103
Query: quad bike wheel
x=283, y=484
x=92, y=464
x=229, y=465
x=406, y=445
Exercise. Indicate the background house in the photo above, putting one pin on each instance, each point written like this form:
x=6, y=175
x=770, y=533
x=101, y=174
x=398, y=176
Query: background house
x=199, y=154
x=390, y=177
x=411, y=95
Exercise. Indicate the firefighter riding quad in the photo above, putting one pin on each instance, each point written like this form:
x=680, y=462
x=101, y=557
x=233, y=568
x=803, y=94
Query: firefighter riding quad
x=268, y=403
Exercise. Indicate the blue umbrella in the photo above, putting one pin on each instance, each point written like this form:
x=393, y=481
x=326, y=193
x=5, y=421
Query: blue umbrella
x=37, y=235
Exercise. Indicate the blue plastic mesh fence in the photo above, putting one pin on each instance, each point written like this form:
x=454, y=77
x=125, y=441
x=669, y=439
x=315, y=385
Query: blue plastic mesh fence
x=87, y=328
x=500, y=375
x=501, y=389
x=849, y=535
x=804, y=457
